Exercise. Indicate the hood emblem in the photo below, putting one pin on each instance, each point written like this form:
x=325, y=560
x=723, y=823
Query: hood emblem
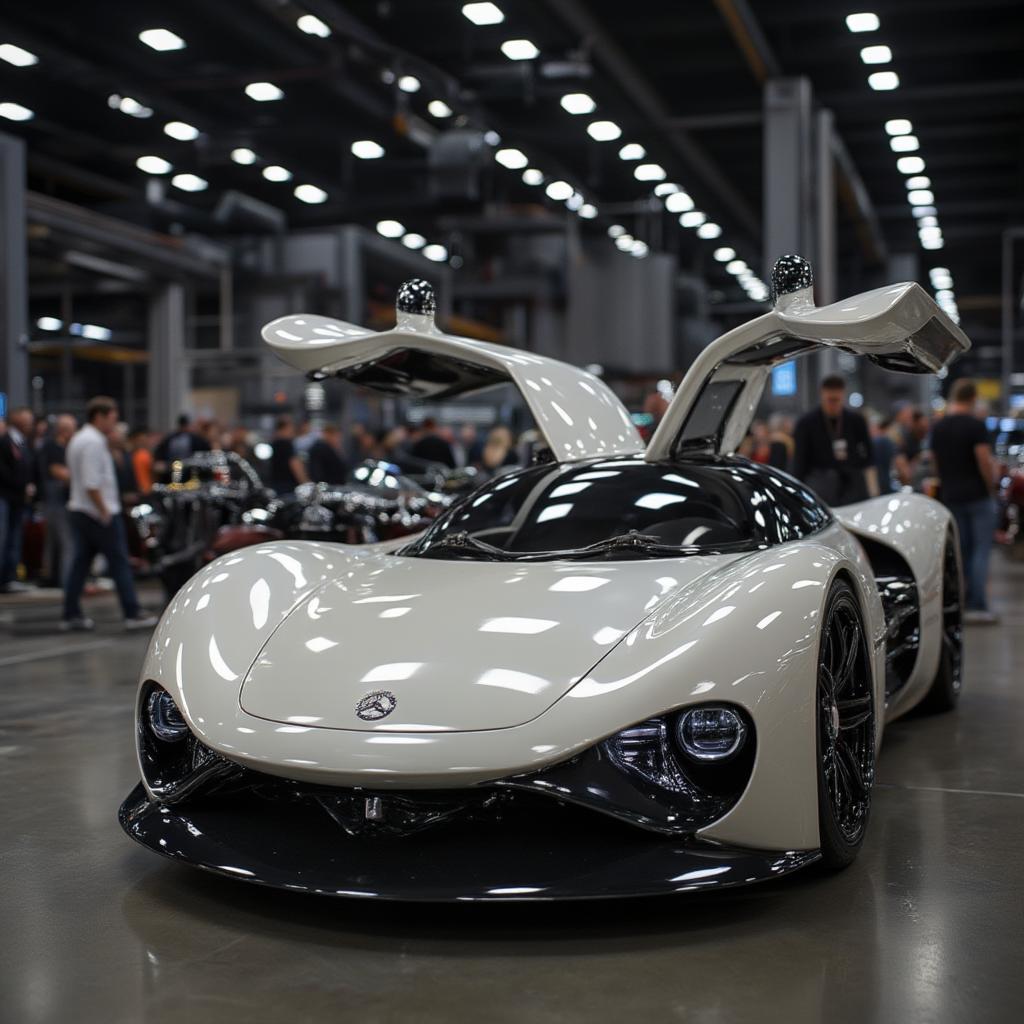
x=376, y=705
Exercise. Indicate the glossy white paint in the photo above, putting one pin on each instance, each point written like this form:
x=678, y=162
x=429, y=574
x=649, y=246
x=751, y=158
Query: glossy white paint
x=576, y=412
x=898, y=320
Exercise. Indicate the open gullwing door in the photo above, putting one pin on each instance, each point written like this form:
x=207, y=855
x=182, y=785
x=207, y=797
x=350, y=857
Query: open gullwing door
x=899, y=327
x=576, y=412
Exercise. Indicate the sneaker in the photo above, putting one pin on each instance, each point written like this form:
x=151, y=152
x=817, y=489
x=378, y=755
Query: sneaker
x=79, y=625
x=980, y=617
x=17, y=587
x=140, y=622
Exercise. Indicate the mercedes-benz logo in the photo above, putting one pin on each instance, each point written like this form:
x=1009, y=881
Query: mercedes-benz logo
x=378, y=704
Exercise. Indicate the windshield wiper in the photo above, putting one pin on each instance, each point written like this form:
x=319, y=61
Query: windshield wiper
x=641, y=543
x=464, y=542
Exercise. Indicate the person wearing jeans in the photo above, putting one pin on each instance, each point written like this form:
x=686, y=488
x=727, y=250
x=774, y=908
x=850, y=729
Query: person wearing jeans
x=94, y=511
x=967, y=475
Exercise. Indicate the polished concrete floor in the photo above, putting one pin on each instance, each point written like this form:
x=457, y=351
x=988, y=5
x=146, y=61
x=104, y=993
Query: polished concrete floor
x=928, y=925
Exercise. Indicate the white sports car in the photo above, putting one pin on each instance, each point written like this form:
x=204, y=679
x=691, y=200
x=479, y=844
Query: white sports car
x=617, y=671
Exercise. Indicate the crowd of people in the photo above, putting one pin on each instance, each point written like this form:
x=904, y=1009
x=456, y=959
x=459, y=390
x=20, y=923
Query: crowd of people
x=79, y=477
x=845, y=457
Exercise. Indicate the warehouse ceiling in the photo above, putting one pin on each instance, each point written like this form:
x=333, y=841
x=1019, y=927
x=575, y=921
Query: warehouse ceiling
x=680, y=80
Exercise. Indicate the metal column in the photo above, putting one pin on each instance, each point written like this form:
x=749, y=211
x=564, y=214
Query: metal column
x=168, y=382
x=789, y=209
x=13, y=272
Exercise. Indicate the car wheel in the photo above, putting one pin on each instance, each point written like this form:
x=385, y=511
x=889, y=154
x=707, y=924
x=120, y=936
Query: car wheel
x=945, y=690
x=845, y=723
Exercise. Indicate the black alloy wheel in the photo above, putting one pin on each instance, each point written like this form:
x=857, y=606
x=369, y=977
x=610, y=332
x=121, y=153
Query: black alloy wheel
x=845, y=709
x=945, y=690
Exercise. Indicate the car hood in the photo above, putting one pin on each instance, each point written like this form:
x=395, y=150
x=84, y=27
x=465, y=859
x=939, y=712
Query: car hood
x=451, y=645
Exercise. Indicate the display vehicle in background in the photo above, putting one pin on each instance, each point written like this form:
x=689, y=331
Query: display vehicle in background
x=617, y=671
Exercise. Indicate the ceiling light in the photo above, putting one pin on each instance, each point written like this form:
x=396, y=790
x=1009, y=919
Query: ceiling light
x=513, y=159
x=16, y=112
x=910, y=165
x=574, y=202
x=632, y=151
x=942, y=295
x=17, y=56
x=531, y=176
x=724, y=254
x=577, y=103
x=925, y=234
x=162, y=39
x=483, y=14
x=928, y=222
x=876, y=55
x=923, y=211
x=559, y=190
x=919, y=181
x=275, y=172
x=898, y=126
x=492, y=138
x=863, y=22
x=181, y=131
x=920, y=197
x=665, y=188
x=310, y=194
x=735, y=267
x=639, y=249
x=519, y=49
x=409, y=83
x=649, y=172
x=413, y=241
x=624, y=242
x=439, y=108
x=616, y=230
x=588, y=211
x=883, y=81
x=933, y=243
x=941, y=277
x=153, y=164
x=709, y=230
x=367, y=149
x=603, y=131
x=692, y=219
x=263, y=92
x=129, y=106
x=94, y=331
x=904, y=144
x=678, y=202
x=313, y=26
x=189, y=182
x=390, y=228
x=435, y=252
x=242, y=155
x=49, y=323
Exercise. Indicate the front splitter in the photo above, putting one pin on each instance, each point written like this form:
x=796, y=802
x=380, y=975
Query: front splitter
x=562, y=854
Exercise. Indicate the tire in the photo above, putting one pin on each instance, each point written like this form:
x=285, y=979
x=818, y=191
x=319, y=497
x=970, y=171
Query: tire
x=845, y=729
x=944, y=694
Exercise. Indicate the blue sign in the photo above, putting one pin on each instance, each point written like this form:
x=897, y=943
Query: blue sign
x=784, y=379
x=3, y=405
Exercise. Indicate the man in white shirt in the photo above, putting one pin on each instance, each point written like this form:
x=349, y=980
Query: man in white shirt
x=94, y=511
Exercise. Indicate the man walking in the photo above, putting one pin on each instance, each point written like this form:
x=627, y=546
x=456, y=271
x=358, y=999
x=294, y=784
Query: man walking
x=54, y=492
x=967, y=475
x=832, y=448
x=17, y=489
x=94, y=511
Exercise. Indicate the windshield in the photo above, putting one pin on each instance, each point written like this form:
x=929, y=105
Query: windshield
x=626, y=507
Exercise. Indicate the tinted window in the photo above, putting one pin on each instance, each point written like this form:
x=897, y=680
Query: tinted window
x=701, y=505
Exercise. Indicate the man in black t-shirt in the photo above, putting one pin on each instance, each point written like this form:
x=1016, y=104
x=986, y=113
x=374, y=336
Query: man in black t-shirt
x=963, y=457
x=431, y=446
x=287, y=469
x=181, y=444
x=54, y=490
x=832, y=447
x=324, y=460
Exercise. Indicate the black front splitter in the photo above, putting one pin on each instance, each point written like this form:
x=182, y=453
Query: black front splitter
x=551, y=853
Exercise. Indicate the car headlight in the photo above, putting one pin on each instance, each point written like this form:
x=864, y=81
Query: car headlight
x=163, y=717
x=710, y=733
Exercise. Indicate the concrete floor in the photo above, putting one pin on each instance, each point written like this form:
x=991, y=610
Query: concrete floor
x=928, y=925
